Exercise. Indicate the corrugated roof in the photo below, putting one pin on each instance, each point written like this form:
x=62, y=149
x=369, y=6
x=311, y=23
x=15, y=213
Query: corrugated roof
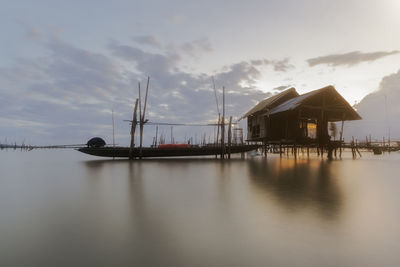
x=268, y=102
x=293, y=103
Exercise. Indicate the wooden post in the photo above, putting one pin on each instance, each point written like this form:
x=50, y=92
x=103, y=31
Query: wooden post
x=113, y=132
x=142, y=116
x=341, y=137
x=358, y=151
x=145, y=98
x=155, y=143
x=229, y=137
x=265, y=148
x=219, y=122
x=133, y=129
x=140, y=122
x=383, y=144
x=223, y=124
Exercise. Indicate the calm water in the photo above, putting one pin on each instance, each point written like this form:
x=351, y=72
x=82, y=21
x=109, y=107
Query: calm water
x=63, y=208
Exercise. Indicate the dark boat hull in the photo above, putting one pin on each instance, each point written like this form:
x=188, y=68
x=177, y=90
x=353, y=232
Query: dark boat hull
x=148, y=152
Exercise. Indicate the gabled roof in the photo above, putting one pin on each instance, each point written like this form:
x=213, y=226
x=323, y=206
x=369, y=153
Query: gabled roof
x=295, y=102
x=268, y=102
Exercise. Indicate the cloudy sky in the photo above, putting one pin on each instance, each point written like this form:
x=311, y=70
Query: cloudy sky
x=64, y=65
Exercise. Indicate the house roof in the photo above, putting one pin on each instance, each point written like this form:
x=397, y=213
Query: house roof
x=264, y=104
x=295, y=102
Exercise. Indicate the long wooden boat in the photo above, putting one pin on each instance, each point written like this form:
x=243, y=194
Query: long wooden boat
x=155, y=152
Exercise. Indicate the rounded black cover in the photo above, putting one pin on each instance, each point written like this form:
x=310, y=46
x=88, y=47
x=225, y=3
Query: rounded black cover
x=96, y=142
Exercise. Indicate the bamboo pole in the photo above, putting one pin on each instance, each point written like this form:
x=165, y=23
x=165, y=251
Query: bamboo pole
x=145, y=98
x=142, y=115
x=155, y=144
x=219, y=122
x=113, y=131
x=219, y=113
x=341, y=136
x=140, y=122
x=229, y=137
x=133, y=129
x=223, y=124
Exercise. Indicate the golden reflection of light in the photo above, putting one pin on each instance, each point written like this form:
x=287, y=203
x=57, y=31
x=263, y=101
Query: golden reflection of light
x=285, y=164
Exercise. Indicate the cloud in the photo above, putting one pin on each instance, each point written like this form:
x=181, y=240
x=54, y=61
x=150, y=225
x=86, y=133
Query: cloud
x=65, y=95
x=176, y=19
x=34, y=33
x=283, y=65
x=281, y=88
x=146, y=40
x=199, y=45
x=380, y=111
x=349, y=59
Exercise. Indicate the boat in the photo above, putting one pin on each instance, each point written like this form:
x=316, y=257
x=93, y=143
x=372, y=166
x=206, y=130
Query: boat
x=97, y=146
x=166, y=151
x=377, y=150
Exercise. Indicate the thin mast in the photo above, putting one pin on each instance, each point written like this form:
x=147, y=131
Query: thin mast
x=113, y=129
x=216, y=101
x=223, y=123
x=133, y=129
x=140, y=123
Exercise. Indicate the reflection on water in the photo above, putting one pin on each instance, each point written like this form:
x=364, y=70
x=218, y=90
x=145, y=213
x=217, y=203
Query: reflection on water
x=72, y=210
x=298, y=184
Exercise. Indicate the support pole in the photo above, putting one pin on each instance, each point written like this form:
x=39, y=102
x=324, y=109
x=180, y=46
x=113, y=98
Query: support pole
x=341, y=136
x=140, y=122
x=133, y=129
x=155, y=143
x=219, y=122
x=223, y=124
x=113, y=131
x=142, y=116
x=229, y=137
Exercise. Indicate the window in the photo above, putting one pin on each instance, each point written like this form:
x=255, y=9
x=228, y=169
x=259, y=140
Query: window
x=311, y=130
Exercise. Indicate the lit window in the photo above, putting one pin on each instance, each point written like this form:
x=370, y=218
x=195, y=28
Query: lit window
x=312, y=130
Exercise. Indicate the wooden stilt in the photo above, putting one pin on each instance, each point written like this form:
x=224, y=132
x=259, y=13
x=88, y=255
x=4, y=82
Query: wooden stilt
x=113, y=131
x=133, y=129
x=155, y=142
x=219, y=122
x=223, y=125
x=229, y=137
x=341, y=137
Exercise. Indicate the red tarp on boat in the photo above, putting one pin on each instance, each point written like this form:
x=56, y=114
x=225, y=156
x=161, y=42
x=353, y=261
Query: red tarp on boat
x=174, y=146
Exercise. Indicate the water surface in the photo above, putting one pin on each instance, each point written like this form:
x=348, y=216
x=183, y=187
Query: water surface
x=63, y=208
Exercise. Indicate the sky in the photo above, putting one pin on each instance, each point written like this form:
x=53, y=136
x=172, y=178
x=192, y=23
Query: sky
x=64, y=65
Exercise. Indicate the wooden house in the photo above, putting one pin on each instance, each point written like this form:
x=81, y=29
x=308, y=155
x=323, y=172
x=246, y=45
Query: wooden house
x=291, y=118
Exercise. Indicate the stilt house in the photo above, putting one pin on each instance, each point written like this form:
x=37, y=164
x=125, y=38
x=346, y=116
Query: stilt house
x=288, y=117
